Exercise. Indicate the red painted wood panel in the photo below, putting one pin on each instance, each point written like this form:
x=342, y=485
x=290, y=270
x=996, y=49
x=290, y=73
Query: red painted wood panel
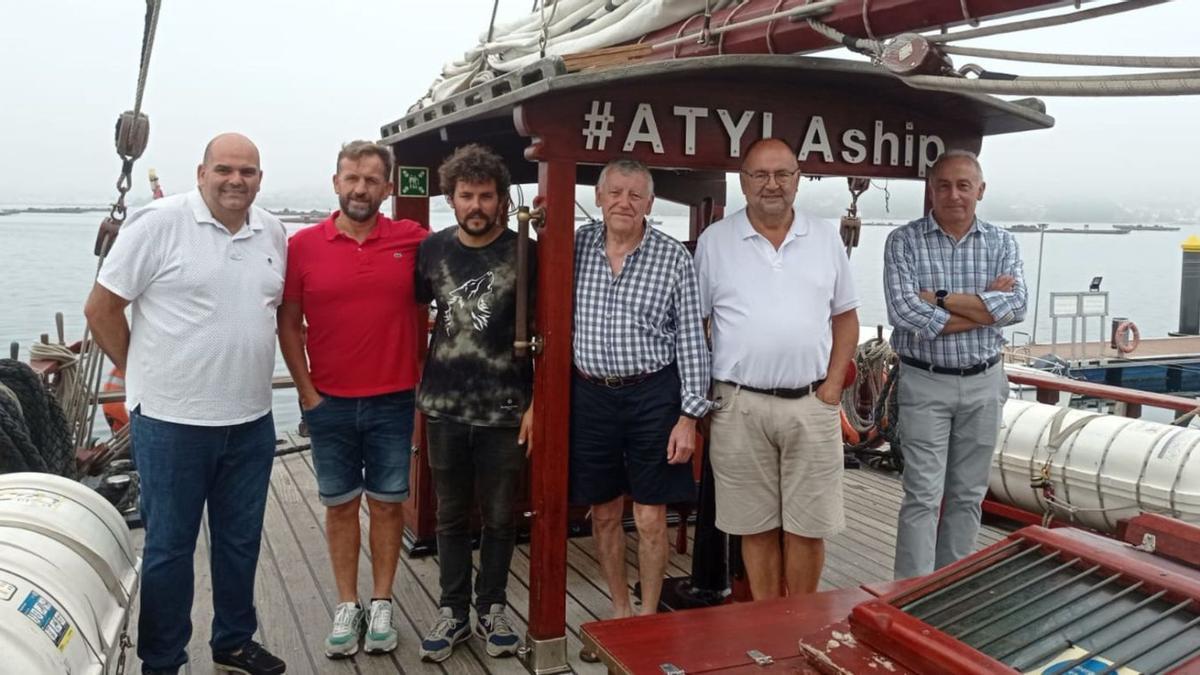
x=886, y=17
x=717, y=638
x=551, y=407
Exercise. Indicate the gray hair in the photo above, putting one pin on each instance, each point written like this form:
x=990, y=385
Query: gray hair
x=627, y=167
x=957, y=154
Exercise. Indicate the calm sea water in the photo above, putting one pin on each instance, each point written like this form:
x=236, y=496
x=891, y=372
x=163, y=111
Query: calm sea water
x=47, y=266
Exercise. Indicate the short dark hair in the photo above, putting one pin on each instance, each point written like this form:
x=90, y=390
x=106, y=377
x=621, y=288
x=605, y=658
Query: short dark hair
x=356, y=150
x=474, y=163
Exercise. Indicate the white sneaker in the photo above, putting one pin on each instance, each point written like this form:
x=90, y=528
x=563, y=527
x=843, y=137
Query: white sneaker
x=381, y=635
x=348, y=627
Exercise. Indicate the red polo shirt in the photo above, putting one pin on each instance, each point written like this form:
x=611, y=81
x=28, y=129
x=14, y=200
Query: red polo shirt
x=359, y=305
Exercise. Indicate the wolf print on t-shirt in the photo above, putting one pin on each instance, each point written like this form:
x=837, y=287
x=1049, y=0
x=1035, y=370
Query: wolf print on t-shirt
x=473, y=297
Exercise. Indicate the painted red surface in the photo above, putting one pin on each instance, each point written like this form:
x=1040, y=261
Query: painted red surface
x=784, y=36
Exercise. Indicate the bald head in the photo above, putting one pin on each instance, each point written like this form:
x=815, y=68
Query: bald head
x=230, y=141
x=770, y=176
x=769, y=146
x=229, y=178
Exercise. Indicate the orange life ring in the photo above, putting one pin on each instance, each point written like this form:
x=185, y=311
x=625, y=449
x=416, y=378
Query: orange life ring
x=115, y=413
x=1127, y=337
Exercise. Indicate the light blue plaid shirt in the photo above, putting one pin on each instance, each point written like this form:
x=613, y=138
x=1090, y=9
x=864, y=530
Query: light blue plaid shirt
x=643, y=319
x=920, y=256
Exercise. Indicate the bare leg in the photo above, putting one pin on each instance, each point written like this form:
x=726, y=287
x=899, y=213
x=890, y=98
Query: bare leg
x=764, y=563
x=342, y=529
x=803, y=559
x=652, y=552
x=610, y=547
x=387, y=531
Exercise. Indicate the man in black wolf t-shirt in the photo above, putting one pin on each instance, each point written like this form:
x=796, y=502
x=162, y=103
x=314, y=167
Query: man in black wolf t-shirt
x=476, y=396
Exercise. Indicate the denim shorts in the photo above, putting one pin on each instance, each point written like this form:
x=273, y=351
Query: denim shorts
x=362, y=445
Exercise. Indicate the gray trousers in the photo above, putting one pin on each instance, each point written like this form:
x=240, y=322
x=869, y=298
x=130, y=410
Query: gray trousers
x=948, y=430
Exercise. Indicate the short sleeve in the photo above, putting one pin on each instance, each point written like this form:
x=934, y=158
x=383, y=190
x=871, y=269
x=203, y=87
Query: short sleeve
x=135, y=259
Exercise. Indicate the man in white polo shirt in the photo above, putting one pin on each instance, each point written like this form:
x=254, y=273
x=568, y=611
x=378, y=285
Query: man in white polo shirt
x=776, y=287
x=203, y=272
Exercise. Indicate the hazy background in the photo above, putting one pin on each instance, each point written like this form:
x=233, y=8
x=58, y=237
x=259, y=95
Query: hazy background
x=302, y=76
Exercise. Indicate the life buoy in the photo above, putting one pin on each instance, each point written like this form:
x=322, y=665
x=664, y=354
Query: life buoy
x=115, y=413
x=1127, y=337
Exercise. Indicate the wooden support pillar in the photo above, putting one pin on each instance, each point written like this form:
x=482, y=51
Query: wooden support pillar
x=551, y=414
x=420, y=509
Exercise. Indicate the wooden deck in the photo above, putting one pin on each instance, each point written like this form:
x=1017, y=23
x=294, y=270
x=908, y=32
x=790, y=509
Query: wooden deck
x=1148, y=349
x=295, y=590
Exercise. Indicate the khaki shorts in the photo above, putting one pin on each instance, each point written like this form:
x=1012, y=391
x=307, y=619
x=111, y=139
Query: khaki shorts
x=777, y=463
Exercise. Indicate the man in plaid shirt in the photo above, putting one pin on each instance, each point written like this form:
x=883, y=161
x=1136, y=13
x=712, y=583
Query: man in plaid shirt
x=641, y=376
x=951, y=282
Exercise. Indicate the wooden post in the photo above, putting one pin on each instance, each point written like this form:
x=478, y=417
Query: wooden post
x=551, y=430
x=420, y=509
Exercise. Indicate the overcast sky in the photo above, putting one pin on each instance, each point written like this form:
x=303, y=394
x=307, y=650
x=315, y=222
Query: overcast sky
x=302, y=76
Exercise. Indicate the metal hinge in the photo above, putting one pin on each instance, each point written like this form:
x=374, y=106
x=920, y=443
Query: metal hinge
x=760, y=658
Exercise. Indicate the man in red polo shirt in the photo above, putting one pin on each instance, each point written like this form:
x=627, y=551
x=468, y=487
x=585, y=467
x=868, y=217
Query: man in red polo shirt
x=350, y=278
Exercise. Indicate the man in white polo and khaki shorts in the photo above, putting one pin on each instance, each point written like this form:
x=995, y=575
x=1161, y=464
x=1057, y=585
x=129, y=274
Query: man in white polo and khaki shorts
x=776, y=287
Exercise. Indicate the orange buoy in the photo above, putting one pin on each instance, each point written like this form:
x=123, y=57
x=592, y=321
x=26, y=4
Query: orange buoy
x=115, y=413
x=1127, y=337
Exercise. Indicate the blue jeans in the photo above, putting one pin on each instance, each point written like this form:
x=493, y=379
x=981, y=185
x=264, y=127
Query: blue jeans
x=182, y=467
x=362, y=444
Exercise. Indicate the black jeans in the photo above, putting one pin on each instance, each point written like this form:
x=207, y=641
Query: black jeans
x=474, y=464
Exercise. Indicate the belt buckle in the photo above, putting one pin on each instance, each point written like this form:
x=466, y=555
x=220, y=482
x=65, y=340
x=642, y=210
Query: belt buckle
x=612, y=382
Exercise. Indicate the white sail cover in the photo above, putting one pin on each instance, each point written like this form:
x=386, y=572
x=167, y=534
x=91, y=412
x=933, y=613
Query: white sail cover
x=569, y=27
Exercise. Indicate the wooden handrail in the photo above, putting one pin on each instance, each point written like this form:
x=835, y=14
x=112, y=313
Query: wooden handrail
x=1048, y=387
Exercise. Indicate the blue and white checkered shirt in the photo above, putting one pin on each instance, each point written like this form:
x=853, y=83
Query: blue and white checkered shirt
x=920, y=256
x=645, y=318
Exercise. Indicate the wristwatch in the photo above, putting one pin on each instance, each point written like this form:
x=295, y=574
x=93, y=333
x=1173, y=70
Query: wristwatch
x=941, y=298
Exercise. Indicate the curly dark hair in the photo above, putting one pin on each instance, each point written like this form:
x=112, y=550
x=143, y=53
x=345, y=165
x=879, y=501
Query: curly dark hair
x=474, y=163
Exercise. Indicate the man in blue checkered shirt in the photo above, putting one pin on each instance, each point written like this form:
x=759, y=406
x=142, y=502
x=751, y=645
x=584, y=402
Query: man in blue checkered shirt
x=641, y=377
x=951, y=281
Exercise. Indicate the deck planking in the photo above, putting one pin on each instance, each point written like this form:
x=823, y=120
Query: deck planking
x=296, y=596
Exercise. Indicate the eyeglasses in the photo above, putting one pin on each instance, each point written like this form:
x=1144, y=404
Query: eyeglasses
x=762, y=177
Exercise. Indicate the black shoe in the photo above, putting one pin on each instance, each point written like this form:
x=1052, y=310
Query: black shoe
x=250, y=659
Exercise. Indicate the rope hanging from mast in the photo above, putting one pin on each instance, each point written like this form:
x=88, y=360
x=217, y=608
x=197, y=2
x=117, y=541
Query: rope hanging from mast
x=132, y=136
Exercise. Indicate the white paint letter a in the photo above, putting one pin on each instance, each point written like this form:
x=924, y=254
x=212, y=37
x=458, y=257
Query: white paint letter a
x=644, y=129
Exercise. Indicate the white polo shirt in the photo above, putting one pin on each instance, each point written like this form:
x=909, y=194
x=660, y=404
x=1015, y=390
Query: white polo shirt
x=771, y=309
x=202, y=332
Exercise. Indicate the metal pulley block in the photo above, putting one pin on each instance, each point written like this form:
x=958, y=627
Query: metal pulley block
x=913, y=54
x=133, y=134
x=106, y=235
x=851, y=228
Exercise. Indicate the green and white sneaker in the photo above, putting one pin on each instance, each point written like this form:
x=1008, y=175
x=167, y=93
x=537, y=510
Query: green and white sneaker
x=496, y=632
x=381, y=635
x=348, y=625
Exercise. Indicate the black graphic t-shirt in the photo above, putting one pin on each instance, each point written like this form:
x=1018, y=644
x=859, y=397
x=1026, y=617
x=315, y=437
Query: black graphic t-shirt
x=471, y=374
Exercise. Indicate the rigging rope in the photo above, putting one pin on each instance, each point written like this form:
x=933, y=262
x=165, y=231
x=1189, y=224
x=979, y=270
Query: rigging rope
x=1110, y=60
x=1044, y=22
x=1125, y=85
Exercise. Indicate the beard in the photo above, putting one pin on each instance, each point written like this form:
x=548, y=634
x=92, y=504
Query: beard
x=489, y=223
x=359, y=212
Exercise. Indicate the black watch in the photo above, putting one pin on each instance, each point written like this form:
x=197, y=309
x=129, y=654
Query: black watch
x=941, y=298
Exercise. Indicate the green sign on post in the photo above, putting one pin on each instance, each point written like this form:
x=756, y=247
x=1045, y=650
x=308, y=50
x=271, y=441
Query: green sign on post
x=414, y=181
